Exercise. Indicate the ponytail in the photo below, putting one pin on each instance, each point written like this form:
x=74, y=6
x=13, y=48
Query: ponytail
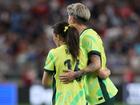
x=71, y=37
x=72, y=41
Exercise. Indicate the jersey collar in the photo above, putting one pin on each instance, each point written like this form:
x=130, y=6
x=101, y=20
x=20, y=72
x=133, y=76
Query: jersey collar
x=85, y=30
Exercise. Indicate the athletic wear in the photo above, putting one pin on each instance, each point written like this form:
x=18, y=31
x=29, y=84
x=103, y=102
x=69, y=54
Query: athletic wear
x=58, y=60
x=97, y=90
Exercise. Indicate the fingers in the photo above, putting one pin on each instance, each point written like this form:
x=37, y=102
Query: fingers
x=63, y=75
x=108, y=70
x=65, y=80
x=109, y=73
x=66, y=71
x=66, y=77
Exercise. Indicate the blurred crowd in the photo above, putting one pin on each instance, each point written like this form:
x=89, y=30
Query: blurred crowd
x=26, y=35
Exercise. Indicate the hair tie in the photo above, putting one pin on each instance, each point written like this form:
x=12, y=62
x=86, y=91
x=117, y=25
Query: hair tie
x=66, y=28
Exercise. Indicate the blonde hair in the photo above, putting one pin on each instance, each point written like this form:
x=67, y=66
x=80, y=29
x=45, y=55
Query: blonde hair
x=79, y=10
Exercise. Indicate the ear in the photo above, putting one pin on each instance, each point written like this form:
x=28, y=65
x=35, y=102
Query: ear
x=70, y=19
x=74, y=20
x=56, y=40
x=57, y=37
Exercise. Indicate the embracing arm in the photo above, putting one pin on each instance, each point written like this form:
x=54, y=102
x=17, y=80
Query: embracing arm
x=70, y=75
x=94, y=66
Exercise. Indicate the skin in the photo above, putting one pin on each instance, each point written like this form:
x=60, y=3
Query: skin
x=93, y=67
x=58, y=41
x=70, y=75
x=45, y=78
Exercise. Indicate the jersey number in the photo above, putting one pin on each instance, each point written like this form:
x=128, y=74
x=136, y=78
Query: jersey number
x=68, y=64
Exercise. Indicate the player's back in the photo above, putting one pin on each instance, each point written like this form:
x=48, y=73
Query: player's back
x=72, y=93
x=97, y=90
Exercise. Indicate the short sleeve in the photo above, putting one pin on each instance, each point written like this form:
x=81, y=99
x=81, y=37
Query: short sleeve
x=90, y=44
x=49, y=63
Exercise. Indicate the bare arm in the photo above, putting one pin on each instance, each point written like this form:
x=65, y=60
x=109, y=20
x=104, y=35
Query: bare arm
x=104, y=73
x=94, y=66
x=44, y=78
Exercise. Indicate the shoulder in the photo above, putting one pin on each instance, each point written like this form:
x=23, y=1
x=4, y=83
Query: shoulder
x=58, y=50
x=51, y=54
x=52, y=51
x=91, y=35
x=88, y=31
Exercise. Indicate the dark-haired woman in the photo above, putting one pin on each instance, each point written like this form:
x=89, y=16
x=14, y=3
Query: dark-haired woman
x=68, y=55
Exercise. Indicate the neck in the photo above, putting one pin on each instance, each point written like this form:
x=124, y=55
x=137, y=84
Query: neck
x=61, y=43
x=80, y=28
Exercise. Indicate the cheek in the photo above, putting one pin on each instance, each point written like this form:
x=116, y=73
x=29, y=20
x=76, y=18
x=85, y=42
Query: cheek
x=54, y=39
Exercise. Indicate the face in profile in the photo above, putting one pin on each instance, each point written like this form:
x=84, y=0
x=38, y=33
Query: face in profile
x=56, y=39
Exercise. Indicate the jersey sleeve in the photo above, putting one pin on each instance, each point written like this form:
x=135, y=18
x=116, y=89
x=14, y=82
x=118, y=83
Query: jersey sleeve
x=91, y=44
x=50, y=62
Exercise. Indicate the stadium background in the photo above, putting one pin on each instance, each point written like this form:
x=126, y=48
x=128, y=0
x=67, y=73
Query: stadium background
x=26, y=37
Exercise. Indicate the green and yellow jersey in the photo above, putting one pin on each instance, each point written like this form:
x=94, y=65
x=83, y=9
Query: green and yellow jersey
x=58, y=60
x=97, y=90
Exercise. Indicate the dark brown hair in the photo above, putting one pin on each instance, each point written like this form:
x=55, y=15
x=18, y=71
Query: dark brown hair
x=70, y=35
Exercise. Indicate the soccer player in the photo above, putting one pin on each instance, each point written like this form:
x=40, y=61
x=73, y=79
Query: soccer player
x=68, y=55
x=98, y=91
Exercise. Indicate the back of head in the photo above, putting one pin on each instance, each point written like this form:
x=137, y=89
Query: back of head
x=70, y=35
x=58, y=28
x=80, y=11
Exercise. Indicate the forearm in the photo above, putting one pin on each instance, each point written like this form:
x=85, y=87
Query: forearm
x=46, y=77
x=93, y=66
x=44, y=82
